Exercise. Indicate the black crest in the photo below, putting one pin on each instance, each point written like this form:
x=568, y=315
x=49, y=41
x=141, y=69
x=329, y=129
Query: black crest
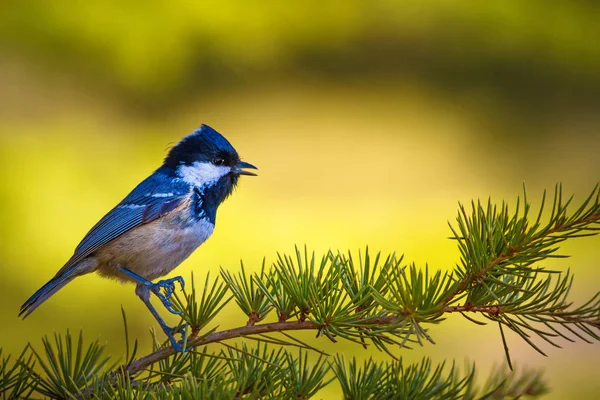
x=204, y=145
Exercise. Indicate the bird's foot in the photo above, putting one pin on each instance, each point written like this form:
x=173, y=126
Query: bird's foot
x=178, y=346
x=168, y=285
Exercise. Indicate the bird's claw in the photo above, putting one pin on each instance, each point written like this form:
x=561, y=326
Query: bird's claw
x=169, y=287
x=178, y=345
x=169, y=306
x=180, y=329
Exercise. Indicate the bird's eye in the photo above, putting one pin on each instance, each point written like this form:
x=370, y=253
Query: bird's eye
x=218, y=161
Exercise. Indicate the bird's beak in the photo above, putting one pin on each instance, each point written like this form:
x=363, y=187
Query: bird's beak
x=239, y=168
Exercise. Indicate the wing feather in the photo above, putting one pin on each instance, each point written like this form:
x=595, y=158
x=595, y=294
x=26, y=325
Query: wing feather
x=143, y=205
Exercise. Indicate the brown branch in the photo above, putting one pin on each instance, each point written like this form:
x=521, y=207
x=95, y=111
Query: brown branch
x=590, y=321
x=492, y=310
x=142, y=363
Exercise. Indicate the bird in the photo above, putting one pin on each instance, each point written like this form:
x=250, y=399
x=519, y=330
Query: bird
x=158, y=225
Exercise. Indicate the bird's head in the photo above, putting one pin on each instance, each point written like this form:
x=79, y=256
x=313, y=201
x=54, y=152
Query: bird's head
x=206, y=160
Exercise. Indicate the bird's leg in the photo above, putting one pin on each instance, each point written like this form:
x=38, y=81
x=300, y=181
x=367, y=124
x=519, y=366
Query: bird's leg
x=168, y=285
x=143, y=292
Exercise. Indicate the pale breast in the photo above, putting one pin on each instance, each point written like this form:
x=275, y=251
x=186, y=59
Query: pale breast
x=154, y=249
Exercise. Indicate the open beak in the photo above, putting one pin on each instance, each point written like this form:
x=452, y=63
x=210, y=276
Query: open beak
x=239, y=168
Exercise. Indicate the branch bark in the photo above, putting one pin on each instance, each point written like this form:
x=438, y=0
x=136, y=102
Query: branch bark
x=144, y=362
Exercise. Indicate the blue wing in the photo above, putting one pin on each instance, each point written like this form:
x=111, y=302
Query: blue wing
x=151, y=199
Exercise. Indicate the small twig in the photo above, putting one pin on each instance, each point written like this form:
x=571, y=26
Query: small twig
x=464, y=283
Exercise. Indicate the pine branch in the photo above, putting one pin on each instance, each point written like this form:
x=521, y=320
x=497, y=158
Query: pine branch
x=377, y=323
x=371, y=300
x=490, y=240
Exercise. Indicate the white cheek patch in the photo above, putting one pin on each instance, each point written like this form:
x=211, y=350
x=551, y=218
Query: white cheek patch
x=201, y=174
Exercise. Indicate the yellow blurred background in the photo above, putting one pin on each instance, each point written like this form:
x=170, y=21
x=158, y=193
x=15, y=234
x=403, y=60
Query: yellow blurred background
x=369, y=121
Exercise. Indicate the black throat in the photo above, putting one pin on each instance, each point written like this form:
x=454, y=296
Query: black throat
x=207, y=200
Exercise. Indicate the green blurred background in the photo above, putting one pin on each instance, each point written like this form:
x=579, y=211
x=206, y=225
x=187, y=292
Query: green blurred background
x=369, y=120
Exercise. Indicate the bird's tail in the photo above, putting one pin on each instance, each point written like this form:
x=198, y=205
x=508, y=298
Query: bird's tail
x=46, y=291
